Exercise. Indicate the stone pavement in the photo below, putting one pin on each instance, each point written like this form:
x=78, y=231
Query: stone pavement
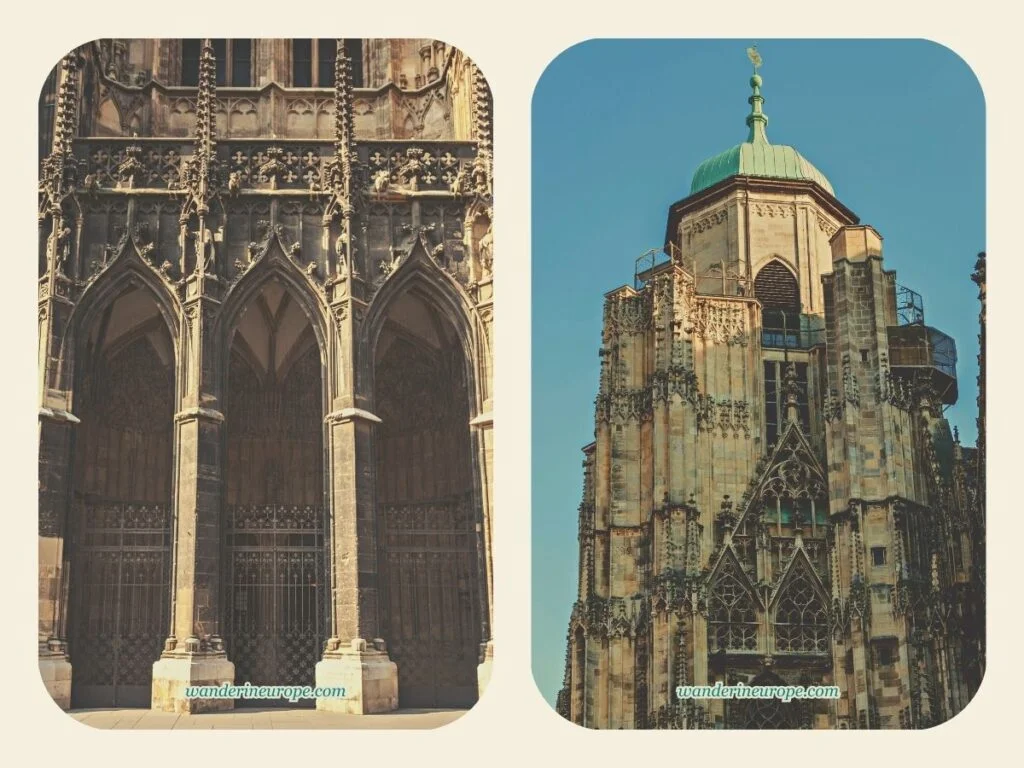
x=264, y=719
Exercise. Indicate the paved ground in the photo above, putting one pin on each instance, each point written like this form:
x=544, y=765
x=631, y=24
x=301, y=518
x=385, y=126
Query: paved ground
x=265, y=719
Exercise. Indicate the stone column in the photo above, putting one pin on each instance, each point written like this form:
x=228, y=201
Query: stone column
x=484, y=427
x=55, y=430
x=194, y=651
x=356, y=657
x=57, y=261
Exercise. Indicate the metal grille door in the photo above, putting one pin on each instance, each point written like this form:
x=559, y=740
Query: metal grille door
x=275, y=598
x=120, y=599
x=432, y=601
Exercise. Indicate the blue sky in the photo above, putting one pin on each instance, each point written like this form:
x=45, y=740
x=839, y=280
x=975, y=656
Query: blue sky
x=619, y=126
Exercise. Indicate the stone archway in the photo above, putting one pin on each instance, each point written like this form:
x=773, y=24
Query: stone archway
x=427, y=509
x=121, y=514
x=275, y=585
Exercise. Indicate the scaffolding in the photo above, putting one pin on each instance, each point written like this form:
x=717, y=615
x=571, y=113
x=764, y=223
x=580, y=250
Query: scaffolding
x=909, y=306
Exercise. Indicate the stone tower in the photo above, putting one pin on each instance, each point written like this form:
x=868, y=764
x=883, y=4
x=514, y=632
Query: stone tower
x=773, y=495
x=265, y=308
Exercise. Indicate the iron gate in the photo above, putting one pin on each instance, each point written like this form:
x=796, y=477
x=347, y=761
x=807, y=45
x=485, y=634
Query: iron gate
x=275, y=629
x=431, y=601
x=120, y=601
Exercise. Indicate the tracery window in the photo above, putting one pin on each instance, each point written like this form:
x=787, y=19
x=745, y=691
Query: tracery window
x=234, y=61
x=801, y=621
x=762, y=714
x=732, y=614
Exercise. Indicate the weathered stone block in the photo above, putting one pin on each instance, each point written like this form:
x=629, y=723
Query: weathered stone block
x=369, y=677
x=173, y=674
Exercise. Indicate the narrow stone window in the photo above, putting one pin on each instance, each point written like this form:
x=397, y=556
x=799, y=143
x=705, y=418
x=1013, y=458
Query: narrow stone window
x=313, y=62
x=775, y=402
x=234, y=61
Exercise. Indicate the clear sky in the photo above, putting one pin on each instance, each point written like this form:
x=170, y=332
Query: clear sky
x=619, y=126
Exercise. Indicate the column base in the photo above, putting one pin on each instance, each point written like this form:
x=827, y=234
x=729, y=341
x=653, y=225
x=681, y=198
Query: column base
x=55, y=671
x=369, y=677
x=483, y=670
x=174, y=672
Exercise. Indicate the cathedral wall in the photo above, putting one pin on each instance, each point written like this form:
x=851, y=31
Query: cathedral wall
x=411, y=91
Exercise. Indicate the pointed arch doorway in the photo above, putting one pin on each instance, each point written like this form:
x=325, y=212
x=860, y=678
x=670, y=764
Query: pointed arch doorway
x=427, y=507
x=120, y=516
x=274, y=515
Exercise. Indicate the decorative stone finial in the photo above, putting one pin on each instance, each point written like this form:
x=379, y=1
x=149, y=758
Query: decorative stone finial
x=792, y=391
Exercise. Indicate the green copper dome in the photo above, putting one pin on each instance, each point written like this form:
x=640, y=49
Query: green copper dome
x=756, y=156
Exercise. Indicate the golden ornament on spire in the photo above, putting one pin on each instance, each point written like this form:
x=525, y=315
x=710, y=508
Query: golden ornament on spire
x=754, y=56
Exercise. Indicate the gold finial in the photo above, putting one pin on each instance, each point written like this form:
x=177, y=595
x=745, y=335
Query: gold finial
x=754, y=56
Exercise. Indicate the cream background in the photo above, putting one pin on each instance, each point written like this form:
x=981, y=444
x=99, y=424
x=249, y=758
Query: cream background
x=512, y=44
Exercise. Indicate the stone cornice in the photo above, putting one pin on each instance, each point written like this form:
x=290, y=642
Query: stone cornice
x=483, y=420
x=189, y=414
x=348, y=414
x=57, y=414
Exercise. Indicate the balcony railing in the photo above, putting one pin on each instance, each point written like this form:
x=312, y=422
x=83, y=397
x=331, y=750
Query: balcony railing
x=784, y=329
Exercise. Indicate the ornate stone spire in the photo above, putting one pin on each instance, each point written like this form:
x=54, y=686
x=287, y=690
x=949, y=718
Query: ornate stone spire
x=341, y=183
x=199, y=176
x=59, y=167
x=59, y=173
x=482, y=132
x=66, y=119
x=204, y=153
x=791, y=389
x=978, y=276
x=344, y=130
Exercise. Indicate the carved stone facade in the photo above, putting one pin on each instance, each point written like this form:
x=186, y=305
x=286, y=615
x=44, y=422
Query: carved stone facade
x=773, y=495
x=265, y=320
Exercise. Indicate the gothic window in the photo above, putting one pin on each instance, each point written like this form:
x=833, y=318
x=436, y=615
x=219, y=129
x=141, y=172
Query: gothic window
x=801, y=622
x=732, y=614
x=775, y=399
x=234, y=61
x=241, y=62
x=302, y=63
x=777, y=290
x=326, y=54
x=190, y=61
x=878, y=556
x=313, y=62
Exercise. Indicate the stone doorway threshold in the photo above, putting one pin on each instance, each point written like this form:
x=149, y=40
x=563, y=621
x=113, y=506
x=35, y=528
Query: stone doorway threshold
x=264, y=719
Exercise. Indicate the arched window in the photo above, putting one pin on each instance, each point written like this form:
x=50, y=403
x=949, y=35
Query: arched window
x=777, y=290
x=801, y=621
x=732, y=615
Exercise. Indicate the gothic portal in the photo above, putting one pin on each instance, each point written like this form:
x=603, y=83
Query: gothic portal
x=265, y=303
